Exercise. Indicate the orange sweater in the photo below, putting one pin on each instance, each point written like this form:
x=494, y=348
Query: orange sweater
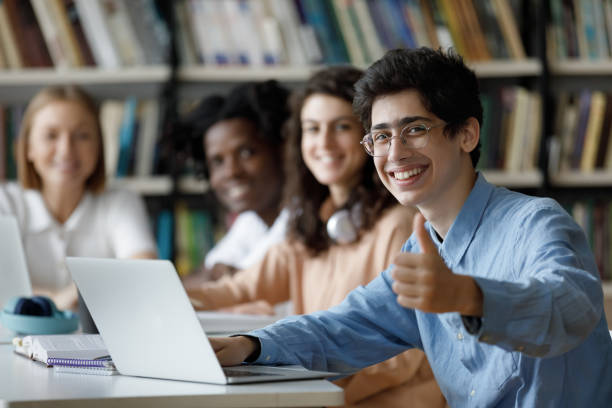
x=289, y=272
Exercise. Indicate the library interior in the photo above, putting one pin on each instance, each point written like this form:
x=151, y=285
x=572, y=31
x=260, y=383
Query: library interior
x=543, y=66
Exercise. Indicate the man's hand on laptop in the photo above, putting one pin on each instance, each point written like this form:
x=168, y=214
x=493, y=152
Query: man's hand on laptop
x=234, y=350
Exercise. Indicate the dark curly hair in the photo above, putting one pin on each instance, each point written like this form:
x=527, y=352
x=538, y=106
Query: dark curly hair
x=448, y=88
x=304, y=195
x=262, y=103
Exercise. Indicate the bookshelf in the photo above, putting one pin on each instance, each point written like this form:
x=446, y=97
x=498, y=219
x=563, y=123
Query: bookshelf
x=187, y=75
x=579, y=64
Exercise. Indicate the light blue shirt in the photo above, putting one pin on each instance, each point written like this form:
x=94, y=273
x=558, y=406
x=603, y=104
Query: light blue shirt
x=543, y=342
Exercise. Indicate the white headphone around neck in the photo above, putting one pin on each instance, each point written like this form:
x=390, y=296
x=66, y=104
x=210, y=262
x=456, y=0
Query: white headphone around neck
x=343, y=226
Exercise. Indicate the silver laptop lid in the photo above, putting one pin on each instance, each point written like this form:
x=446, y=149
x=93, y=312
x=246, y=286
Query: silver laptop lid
x=14, y=271
x=146, y=319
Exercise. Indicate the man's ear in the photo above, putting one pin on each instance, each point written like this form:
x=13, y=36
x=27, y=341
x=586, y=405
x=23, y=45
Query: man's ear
x=470, y=135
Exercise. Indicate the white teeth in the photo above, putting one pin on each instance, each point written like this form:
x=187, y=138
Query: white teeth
x=237, y=191
x=327, y=159
x=403, y=175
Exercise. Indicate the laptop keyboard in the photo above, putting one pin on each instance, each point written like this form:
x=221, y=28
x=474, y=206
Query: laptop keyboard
x=243, y=373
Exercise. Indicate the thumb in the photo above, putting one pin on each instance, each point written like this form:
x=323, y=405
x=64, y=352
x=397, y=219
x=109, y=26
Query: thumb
x=422, y=235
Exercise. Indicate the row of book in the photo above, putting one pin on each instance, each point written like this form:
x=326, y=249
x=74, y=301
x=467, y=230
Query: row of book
x=117, y=33
x=595, y=218
x=583, y=124
x=580, y=29
x=194, y=234
x=512, y=129
x=79, y=33
x=130, y=132
x=299, y=32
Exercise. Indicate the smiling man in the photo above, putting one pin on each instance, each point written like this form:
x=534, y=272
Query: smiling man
x=499, y=289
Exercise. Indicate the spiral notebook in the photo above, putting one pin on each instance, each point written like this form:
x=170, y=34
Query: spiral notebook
x=52, y=349
x=85, y=370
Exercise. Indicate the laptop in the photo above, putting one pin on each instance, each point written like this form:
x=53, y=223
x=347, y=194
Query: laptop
x=150, y=328
x=15, y=277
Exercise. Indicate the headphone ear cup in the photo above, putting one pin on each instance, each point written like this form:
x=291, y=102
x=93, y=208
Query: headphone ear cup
x=21, y=306
x=340, y=227
x=46, y=305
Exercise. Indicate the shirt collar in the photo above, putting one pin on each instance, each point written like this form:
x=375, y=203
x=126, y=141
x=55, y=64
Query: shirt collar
x=462, y=231
x=40, y=218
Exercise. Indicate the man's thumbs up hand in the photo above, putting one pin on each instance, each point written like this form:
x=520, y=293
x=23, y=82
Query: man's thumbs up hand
x=423, y=237
x=424, y=282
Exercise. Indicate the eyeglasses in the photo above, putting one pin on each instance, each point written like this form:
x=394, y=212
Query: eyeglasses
x=377, y=143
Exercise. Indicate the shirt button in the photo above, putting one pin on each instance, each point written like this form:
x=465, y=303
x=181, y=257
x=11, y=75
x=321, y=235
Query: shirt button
x=459, y=336
x=472, y=393
x=267, y=358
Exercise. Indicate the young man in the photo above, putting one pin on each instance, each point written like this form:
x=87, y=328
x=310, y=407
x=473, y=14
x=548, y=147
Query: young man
x=499, y=289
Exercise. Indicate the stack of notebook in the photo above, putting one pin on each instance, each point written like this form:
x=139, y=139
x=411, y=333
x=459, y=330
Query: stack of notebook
x=75, y=353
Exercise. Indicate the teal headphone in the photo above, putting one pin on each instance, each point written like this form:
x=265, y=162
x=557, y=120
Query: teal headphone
x=37, y=315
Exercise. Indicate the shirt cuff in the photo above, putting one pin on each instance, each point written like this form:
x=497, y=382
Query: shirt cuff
x=472, y=324
x=255, y=354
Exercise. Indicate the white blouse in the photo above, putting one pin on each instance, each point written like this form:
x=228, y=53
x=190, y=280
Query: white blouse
x=112, y=224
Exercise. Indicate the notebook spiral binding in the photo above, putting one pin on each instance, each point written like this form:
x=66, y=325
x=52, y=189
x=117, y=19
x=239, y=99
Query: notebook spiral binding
x=75, y=362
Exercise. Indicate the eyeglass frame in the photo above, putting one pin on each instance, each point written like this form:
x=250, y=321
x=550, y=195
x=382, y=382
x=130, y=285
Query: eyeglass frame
x=402, y=138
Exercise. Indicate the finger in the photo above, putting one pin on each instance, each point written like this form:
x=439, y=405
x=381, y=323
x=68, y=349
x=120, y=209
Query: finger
x=216, y=343
x=406, y=289
x=410, y=302
x=228, y=357
x=407, y=259
x=422, y=235
x=404, y=274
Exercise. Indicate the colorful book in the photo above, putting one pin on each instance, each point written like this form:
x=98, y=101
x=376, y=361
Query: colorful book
x=320, y=17
x=126, y=136
x=584, y=108
x=593, y=131
x=77, y=27
x=509, y=29
x=29, y=38
x=98, y=34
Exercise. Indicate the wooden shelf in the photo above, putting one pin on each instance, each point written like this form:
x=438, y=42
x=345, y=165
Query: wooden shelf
x=581, y=67
x=597, y=178
x=150, y=186
x=160, y=185
x=50, y=76
x=489, y=69
x=230, y=73
x=88, y=76
x=524, y=179
x=507, y=68
x=192, y=185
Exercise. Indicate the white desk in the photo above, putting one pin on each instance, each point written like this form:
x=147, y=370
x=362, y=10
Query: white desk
x=25, y=383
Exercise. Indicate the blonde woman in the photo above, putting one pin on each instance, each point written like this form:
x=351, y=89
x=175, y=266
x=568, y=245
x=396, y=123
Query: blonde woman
x=60, y=201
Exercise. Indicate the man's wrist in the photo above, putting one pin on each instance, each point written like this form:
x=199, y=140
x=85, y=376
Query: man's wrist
x=254, y=355
x=472, y=299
